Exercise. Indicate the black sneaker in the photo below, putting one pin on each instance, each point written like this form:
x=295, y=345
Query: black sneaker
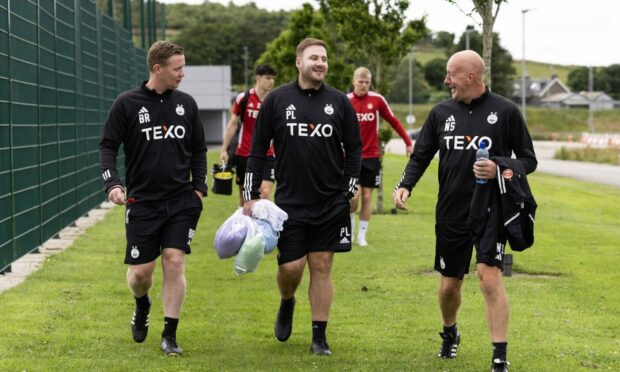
x=284, y=322
x=320, y=347
x=170, y=347
x=449, y=345
x=140, y=324
x=499, y=365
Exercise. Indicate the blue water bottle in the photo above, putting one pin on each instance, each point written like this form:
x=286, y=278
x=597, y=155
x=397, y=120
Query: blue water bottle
x=482, y=153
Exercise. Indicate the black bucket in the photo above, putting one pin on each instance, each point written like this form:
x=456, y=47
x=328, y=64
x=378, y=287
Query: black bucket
x=222, y=179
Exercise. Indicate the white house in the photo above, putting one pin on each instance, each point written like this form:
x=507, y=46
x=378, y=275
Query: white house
x=537, y=90
x=598, y=100
x=211, y=88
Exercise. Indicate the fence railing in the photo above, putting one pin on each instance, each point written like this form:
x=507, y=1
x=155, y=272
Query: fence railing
x=62, y=64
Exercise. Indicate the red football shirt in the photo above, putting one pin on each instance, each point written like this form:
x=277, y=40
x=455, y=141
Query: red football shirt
x=247, y=125
x=370, y=108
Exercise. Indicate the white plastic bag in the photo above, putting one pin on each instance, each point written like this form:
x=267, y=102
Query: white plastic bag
x=251, y=252
x=232, y=233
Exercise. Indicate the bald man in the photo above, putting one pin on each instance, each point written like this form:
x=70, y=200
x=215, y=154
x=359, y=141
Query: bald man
x=456, y=128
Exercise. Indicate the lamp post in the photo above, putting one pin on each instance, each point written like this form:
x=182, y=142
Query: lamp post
x=590, y=95
x=410, y=81
x=246, y=57
x=410, y=118
x=523, y=88
x=468, y=29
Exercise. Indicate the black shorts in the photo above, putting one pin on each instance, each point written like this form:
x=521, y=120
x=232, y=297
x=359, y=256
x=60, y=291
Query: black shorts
x=325, y=228
x=370, y=174
x=454, y=248
x=149, y=227
x=269, y=172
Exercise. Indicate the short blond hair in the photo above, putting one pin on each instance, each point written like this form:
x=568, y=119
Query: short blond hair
x=362, y=72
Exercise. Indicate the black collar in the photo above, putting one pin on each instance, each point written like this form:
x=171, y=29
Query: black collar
x=476, y=101
x=310, y=90
x=153, y=92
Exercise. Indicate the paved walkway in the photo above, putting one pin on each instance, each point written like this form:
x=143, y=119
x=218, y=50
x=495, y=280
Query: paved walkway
x=24, y=266
x=592, y=172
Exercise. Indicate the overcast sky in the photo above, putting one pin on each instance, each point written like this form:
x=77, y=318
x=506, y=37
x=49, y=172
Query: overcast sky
x=568, y=32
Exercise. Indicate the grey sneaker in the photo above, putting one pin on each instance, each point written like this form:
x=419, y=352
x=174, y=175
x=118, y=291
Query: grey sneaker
x=320, y=347
x=170, y=347
x=499, y=365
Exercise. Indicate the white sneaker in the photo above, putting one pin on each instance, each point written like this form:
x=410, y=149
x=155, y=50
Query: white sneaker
x=362, y=242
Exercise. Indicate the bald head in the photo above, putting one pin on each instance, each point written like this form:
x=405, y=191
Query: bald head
x=465, y=75
x=469, y=61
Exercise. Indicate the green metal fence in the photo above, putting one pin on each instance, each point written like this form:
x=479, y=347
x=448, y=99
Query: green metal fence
x=62, y=64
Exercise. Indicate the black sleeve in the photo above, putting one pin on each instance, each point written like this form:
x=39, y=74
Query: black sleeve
x=112, y=137
x=199, y=153
x=521, y=142
x=426, y=146
x=352, y=145
x=261, y=139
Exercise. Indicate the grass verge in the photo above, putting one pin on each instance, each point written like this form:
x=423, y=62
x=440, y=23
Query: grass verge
x=609, y=155
x=74, y=313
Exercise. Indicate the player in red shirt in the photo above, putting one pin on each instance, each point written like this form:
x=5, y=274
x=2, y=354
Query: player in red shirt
x=265, y=78
x=370, y=108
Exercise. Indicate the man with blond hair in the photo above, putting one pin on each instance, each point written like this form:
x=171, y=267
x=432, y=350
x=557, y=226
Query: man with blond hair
x=457, y=128
x=370, y=107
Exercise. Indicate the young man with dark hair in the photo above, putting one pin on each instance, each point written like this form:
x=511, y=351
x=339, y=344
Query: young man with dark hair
x=370, y=107
x=318, y=153
x=265, y=78
x=165, y=173
x=456, y=128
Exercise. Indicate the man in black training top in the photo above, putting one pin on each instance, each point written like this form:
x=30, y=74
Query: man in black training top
x=318, y=157
x=456, y=128
x=164, y=144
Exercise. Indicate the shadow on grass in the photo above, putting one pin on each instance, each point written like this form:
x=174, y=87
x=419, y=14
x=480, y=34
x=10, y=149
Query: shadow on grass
x=516, y=272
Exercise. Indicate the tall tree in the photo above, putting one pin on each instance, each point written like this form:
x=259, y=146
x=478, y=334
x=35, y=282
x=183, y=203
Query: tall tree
x=578, y=78
x=219, y=35
x=280, y=52
x=374, y=33
x=443, y=39
x=488, y=11
x=435, y=72
x=399, y=92
x=613, y=80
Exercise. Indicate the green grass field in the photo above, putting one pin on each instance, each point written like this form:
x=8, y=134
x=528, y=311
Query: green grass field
x=540, y=70
x=536, y=70
x=74, y=314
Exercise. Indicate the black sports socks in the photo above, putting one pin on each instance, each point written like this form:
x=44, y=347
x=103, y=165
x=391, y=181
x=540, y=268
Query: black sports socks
x=143, y=303
x=170, y=327
x=318, y=330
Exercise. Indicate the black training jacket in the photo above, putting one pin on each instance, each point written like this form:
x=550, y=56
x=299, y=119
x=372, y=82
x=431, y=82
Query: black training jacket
x=317, y=145
x=163, y=140
x=455, y=129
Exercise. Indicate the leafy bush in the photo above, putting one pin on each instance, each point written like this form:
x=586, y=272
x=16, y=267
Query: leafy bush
x=610, y=155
